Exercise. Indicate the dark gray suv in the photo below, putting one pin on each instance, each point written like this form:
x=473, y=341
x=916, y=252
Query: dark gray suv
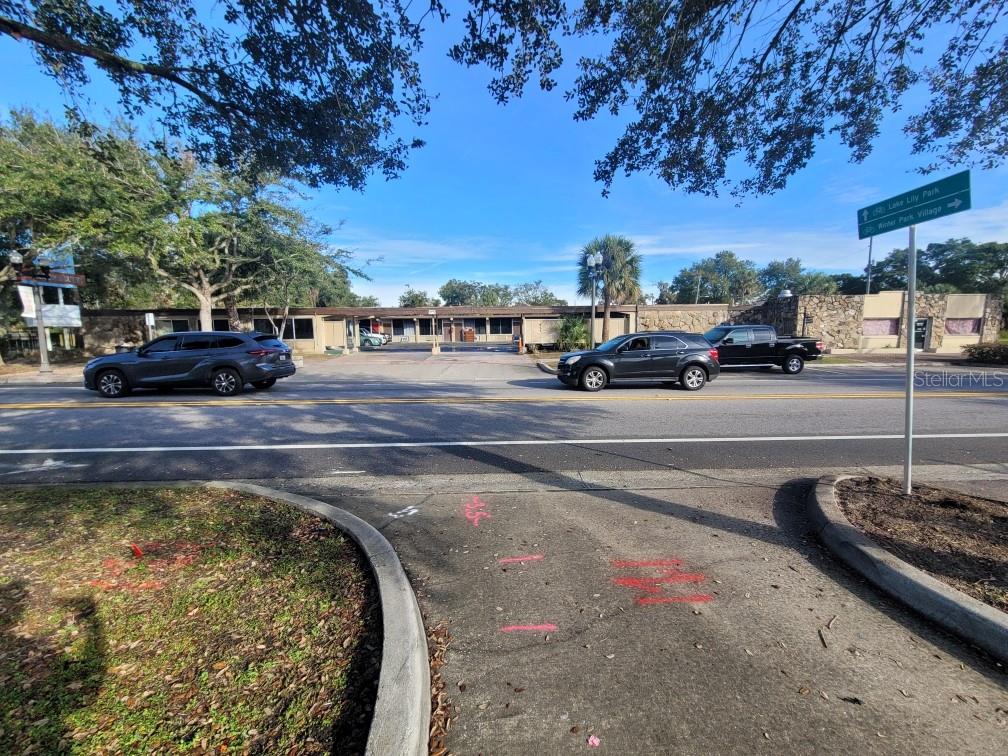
x=655, y=355
x=222, y=360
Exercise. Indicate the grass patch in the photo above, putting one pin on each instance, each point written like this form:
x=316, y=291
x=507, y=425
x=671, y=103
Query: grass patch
x=837, y=359
x=180, y=620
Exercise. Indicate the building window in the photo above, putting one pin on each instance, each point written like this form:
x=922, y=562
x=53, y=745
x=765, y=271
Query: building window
x=221, y=324
x=481, y=326
x=962, y=326
x=881, y=327
x=397, y=328
x=304, y=328
x=425, y=327
x=500, y=326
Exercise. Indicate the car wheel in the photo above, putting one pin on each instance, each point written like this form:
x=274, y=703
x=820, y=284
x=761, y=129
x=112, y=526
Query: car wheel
x=112, y=384
x=226, y=382
x=594, y=379
x=693, y=378
x=793, y=364
x=264, y=384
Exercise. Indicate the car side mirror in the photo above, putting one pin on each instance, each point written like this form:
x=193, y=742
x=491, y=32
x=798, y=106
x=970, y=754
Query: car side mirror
x=727, y=340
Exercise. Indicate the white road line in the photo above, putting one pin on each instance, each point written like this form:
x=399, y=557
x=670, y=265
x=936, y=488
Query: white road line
x=519, y=442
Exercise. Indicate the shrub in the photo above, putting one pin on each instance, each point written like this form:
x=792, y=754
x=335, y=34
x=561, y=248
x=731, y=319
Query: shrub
x=572, y=333
x=989, y=352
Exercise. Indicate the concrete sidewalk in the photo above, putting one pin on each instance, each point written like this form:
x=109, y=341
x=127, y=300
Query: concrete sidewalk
x=688, y=613
x=61, y=375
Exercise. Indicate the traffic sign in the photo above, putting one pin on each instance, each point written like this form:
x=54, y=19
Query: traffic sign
x=939, y=198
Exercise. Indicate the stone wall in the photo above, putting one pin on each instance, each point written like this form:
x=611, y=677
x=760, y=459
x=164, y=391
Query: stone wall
x=834, y=318
x=992, y=323
x=101, y=333
x=692, y=318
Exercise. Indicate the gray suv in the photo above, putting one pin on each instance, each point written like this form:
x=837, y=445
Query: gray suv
x=222, y=360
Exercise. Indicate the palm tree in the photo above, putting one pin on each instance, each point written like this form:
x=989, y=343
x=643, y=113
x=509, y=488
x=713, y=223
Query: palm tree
x=619, y=280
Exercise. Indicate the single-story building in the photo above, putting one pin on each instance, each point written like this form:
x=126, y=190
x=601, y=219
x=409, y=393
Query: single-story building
x=846, y=323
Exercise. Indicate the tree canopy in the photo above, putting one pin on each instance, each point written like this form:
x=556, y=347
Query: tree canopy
x=705, y=83
x=314, y=89
x=416, y=298
x=457, y=293
x=148, y=226
x=322, y=90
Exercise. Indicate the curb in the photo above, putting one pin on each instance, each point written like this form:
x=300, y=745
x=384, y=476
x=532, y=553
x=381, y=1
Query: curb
x=971, y=619
x=401, y=719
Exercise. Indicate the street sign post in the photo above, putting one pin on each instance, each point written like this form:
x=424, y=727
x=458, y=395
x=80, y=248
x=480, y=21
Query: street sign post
x=935, y=200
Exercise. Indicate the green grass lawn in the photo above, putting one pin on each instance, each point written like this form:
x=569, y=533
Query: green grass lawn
x=180, y=620
x=1003, y=337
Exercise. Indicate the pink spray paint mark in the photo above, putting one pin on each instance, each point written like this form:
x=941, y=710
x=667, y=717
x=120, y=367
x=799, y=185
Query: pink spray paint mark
x=528, y=628
x=475, y=511
x=519, y=559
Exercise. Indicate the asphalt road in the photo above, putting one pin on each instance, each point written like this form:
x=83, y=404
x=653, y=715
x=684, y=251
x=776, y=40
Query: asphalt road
x=406, y=414
x=633, y=565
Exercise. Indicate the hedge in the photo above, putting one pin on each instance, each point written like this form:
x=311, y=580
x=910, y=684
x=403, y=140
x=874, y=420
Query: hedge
x=989, y=352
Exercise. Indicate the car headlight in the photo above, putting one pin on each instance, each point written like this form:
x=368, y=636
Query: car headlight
x=572, y=360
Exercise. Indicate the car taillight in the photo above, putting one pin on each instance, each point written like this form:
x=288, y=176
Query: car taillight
x=261, y=352
x=713, y=355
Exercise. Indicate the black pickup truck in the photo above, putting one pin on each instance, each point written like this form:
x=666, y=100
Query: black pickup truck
x=760, y=346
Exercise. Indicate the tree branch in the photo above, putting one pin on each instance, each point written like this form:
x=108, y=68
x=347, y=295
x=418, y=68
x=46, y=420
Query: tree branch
x=57, y=41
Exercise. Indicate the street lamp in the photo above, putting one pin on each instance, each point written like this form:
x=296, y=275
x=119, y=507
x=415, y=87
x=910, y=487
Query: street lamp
x=595, y=261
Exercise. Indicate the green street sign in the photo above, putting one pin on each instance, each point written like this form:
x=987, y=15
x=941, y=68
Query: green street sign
x=934, y=200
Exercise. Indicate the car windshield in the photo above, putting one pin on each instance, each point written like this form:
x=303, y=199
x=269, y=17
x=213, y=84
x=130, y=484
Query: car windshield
x=715, y=334
x=611, y=344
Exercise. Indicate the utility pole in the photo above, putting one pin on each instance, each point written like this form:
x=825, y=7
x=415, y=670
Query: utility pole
x=699, y=278
x=868, y=287
x=910, y=331
x=44, y=366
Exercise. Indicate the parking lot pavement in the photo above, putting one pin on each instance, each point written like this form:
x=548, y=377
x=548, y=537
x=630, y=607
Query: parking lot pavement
x=691, y=618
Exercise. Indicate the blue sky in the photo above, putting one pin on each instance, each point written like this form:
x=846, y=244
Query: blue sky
x=506, y=195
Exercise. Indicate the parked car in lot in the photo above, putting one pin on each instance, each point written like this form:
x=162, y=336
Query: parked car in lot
x=759, y=345
x=221, y=360
x=384, y=337
x=370, y=340
x=659, y=355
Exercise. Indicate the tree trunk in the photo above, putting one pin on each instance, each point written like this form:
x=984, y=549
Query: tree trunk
x=234, y=320
x=605, y=317
x=205, y=311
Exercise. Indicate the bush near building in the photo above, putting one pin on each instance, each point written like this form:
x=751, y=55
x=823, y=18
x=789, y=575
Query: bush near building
x=988, y=352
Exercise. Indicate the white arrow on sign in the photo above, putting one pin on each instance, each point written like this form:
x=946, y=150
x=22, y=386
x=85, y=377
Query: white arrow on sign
x=954, y=204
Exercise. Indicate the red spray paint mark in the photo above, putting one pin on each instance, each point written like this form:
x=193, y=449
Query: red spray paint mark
x=651, y=585
x=136, y=550
x=528, y=628
x=693, y=598
x=621, y=564
x=475, y=510
x=668, y=574
x=519, y=559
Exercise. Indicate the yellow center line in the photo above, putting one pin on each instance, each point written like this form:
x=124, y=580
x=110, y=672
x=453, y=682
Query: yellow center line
x=541, y=399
